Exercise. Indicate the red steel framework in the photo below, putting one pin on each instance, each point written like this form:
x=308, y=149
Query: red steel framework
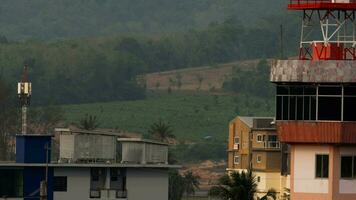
x=328, y=29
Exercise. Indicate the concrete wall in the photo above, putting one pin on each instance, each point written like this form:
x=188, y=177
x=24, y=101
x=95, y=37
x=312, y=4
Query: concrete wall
x=347, y=186
x=147, y=184
x=267, y=181
x=304, y=169
x=78, y=183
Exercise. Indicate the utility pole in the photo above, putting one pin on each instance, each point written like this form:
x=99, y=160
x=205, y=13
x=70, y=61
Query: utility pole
x=281, y=38
x=24, y=91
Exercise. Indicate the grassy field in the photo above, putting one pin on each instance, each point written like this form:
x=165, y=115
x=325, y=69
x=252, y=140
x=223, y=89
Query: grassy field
x=192, y=116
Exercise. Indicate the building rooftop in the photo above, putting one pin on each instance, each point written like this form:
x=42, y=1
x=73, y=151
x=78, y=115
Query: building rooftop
x=257, y=122
x=86, y=165
x=140, y=140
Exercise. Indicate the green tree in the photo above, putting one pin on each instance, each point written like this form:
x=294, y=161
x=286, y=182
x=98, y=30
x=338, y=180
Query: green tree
x=191, y=182
x=161, y=131
x=176, y=185
x=237, y=186
x=89, y=122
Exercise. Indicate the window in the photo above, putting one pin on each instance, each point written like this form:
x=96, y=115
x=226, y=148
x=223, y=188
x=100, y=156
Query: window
x=349, y=103
x=60, y=184
x=298, y=102
x=322, y=166
x=114, y=174
x=95, y=174
x=95, y=194
x=258, y=179
x=259, y=138
x=259, y=158
x=236, y=140
x=11, y=183
x=329, y=108
x=346, y=166
x=237, y=160
x=295, y=102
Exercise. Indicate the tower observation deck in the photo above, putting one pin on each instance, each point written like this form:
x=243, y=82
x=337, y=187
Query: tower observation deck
x=316, y=101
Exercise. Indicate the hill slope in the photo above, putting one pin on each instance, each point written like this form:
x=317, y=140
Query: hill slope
x=208, y=78
x=192, y=116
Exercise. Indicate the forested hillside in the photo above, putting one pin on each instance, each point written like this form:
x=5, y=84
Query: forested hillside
x=53, y=19
x=105, y=68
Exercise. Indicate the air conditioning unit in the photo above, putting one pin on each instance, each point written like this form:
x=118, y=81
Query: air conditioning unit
x=236, y=146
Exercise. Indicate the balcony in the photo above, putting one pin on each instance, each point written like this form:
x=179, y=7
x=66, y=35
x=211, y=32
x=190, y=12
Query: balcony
x=317, y=132
x=271, y=145
x=321, y=4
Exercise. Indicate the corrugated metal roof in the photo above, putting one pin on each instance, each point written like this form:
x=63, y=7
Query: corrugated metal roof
x=317, y=132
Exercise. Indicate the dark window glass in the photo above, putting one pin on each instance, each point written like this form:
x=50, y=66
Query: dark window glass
x=329, y=108
x=300, y=108
x=95, y=174
x=292, y=107
x=312, y=108
x=309, y=90
x=354, y=166
x=306, y=108
x=272, y=138
x=325, y=166
x=349, y=108
x=296, y=90
x=346, y=167
x=322, y=166
x=285, y=108
x=11, y=183
x=330, y=90
x=114, y=174
x=350, y=90
x=279, y=108
x=282, y=90
x=60, y=184
x=318, y=166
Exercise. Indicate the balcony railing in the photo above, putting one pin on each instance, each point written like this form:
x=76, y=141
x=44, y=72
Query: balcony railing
x=121, y=194
x=271, y=145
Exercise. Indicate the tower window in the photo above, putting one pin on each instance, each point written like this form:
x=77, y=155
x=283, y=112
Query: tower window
x=322, y=166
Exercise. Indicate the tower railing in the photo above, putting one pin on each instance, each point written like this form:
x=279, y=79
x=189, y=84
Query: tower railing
x=317, y=1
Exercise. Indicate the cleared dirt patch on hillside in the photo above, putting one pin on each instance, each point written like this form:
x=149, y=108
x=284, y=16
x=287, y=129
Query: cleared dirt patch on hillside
x=207, y=78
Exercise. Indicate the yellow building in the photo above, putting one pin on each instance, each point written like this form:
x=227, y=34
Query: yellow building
x=253, y=144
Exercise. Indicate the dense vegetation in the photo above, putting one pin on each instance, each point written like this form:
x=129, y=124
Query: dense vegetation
x=199, y=122
x=252, y=81
x=43, y=19
x=105, y=69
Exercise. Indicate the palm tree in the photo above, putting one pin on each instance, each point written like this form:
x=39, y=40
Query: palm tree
x=89, y=122
x=237, y=186
x=161, y=131
x=191, y=182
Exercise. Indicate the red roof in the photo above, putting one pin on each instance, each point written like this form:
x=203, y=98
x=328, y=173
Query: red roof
x=320, y=5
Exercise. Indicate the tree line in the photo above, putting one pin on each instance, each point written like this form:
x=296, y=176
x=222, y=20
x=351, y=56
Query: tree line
x=105, y=69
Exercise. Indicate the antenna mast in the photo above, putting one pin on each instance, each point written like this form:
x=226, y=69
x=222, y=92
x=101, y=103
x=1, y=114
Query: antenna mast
x=24, y=90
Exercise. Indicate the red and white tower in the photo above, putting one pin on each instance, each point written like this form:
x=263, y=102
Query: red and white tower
x=316, y=102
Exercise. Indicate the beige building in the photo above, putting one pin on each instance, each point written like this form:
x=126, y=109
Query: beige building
x=253, y=144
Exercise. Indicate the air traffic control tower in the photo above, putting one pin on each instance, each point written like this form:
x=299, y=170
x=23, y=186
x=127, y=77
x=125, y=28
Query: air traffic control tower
x=316, y=102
